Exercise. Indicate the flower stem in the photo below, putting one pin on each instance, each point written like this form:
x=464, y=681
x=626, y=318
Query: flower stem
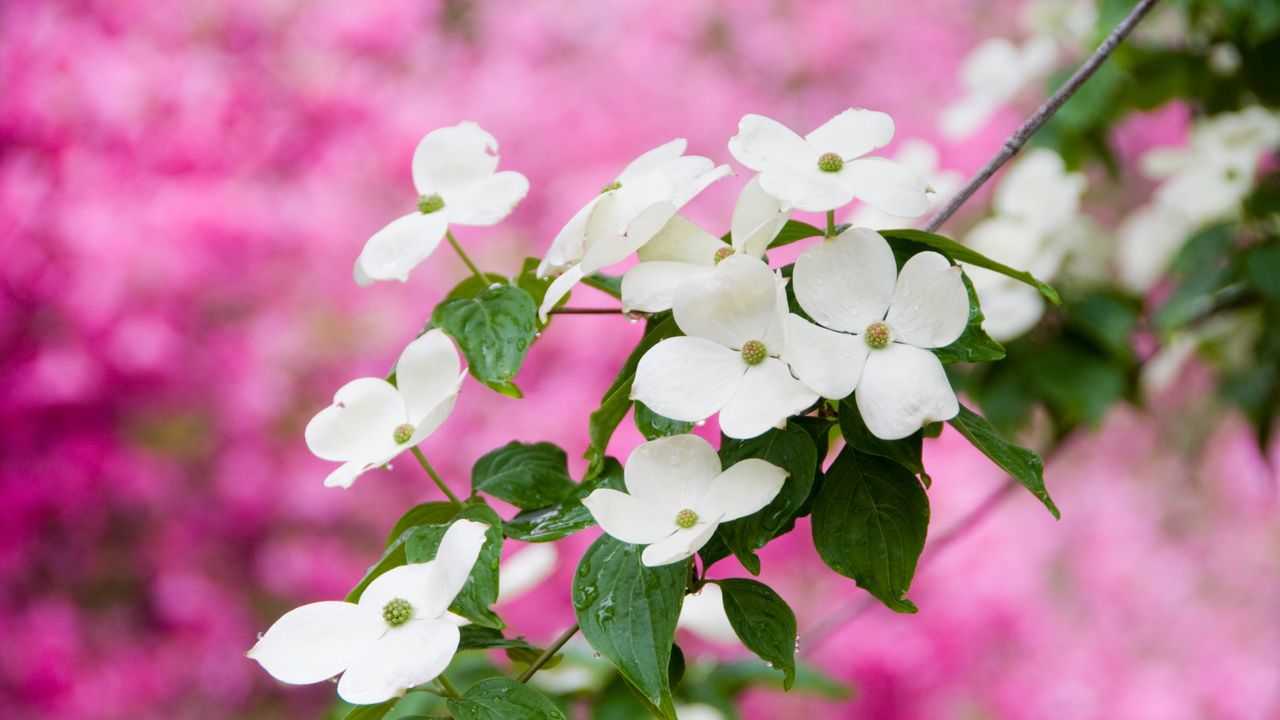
x=831, y=223
x=1014, y=142
x=463, y=254
x=547, y=654
x=449, y=689
x=584, y=311
x=422, y=460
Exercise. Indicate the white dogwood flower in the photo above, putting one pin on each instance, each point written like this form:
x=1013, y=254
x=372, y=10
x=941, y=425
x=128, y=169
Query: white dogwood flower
x=827, y=168
x=677, y=496
x=398, y=636
x=923, y=158
x=682, y=250
x=1147, y=241
x=453, y=172
x=626, y=214
x=993, y=75
x=877, y=326
x=372, y=421
x=734, y=320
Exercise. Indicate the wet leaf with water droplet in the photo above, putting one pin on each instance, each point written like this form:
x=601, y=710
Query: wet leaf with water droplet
x=499, y=698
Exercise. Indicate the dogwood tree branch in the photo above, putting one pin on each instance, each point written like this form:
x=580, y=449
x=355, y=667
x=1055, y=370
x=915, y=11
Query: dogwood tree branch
x=549, y=653
x=1014, y=142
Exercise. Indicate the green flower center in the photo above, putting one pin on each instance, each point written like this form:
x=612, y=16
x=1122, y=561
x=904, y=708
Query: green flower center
x=403, y=433
x=686, y=518
x=723, y=253
x=830, y=162
x=428, y=204
x=754, y=352
x=397, y=612
x=877, y=335
x=611, y=186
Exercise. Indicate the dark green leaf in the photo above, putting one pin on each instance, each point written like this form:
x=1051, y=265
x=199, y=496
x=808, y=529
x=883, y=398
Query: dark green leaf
x=529, y=281
x=905, y=452
x=500, y=698
x=526, y=475
x=1262, y=268
x=494, y=330
x=869, y=524
x=734, y=677
x=610, y=284
x=371, y=712
x=959, y=253
x=1024, y=465
x=478, y=637
x=392, y=557
x=628, y=613
x=481, y=590
x=763, y=622
x=653, y=426
x=1076, y=382
x=429, y=513
x=794, y=230
x=676, y=667
x=565, y=518
x=1108, y=320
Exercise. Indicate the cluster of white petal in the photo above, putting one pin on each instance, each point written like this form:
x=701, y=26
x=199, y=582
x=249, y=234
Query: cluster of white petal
x=992, y=75
x=398, y=636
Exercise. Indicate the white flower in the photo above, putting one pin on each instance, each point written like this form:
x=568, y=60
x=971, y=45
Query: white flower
x=626, y=214
x=371, y=421
x=677, y=496
x=921, y=157
x=699, y=711
x=703, y=615
x=995, y=73
x=734, y=320
x=398, y=636
x=525, y=570
x=1065, y=20
x=826, y=168
x=1038, y=190
x=1147, y=241
x=876, y=328
x=682, y=250
x=453, y=172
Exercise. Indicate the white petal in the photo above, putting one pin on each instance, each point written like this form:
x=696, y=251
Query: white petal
x=344, y=476
x=887, y=185
x=570, y=243
x=682, y=240
x=609, y=249
x=930, y=305
x=405, y=582
x=451, y=159
x=743, y=489
x=652, y=160
x=629, y=518
x=827, y=361
x=904, y=388
x=558, y=289
x=488, y=201
x=767, y=396
x=1009, y=308
x=1039, y=190
x=401, y=246
x=763, y=143
x=526, y=570
x=672, y=473
x=1148, y=240
x=454, y=559
x=966, y=116
x=436, y=416
x=407, y=656
x=317, y=641
x=703, y=615
x=427, y=373
x=689, y=176
x=651, y=286
x=808, y=188
x=758, y=217
x=846, y=283
x=360, y=424
x=734, y=303
x=679, y=545
x=688, y=379
x=853, y=133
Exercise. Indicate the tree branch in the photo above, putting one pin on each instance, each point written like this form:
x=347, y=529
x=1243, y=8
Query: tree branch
x=549, y=653
x=1020, y=136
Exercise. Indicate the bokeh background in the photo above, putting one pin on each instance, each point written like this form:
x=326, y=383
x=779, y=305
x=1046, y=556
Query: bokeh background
x=183, y=189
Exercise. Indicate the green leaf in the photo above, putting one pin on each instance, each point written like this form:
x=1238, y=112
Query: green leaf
x=794, y=230
x=610, y=284
x=791, y=449
x=617, y=399
x=565, y=518
x=628, y=613
x=905, y=452
x=1108, y=320
x=478, y=637
x=1024, y=465
x=869, y=524
x=653, y=426
x=393, y=556
x=529, y=281
x=763, y=622
x=500, y=698
x=481, y=590
x=974, y=344
x=494, y=330
x=959, y=253
x=472, y=285
x=526, y=475
x=371, y=712
x=732, y=678
x=428, y=513
x=1077, y=382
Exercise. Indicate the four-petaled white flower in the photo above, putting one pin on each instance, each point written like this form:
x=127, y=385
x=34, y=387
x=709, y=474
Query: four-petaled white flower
x=876, y=330
x=735, y=323
x=372, y=421
x=682, y=250
x=398, y=636
x=992, y=75
x=677, y=496
x=626, y=214
x=826, y=168
x=453, y=172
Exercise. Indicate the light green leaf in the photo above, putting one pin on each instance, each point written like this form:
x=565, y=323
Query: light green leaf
x=1024, y=465
x=500, y=698
x=494, y=330
x=526, y=475
x=763, y=622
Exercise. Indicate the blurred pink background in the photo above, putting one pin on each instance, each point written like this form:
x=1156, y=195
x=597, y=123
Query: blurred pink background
x=183, y=190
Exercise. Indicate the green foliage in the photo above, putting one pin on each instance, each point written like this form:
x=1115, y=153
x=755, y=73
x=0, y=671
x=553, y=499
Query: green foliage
x=528, y=476
x=494, y=330
x=910, y=242
x=869, y=524
x=371, y=712
x=628, y=613
x=481, y=590
x=608, y=284
x=1022, y=464
x=428, y=513
x=501, y=698
x=794, y=230
x=568, y=516
x=764, y=622
x=973, y=345
x=906, y=452
x=653, y=426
